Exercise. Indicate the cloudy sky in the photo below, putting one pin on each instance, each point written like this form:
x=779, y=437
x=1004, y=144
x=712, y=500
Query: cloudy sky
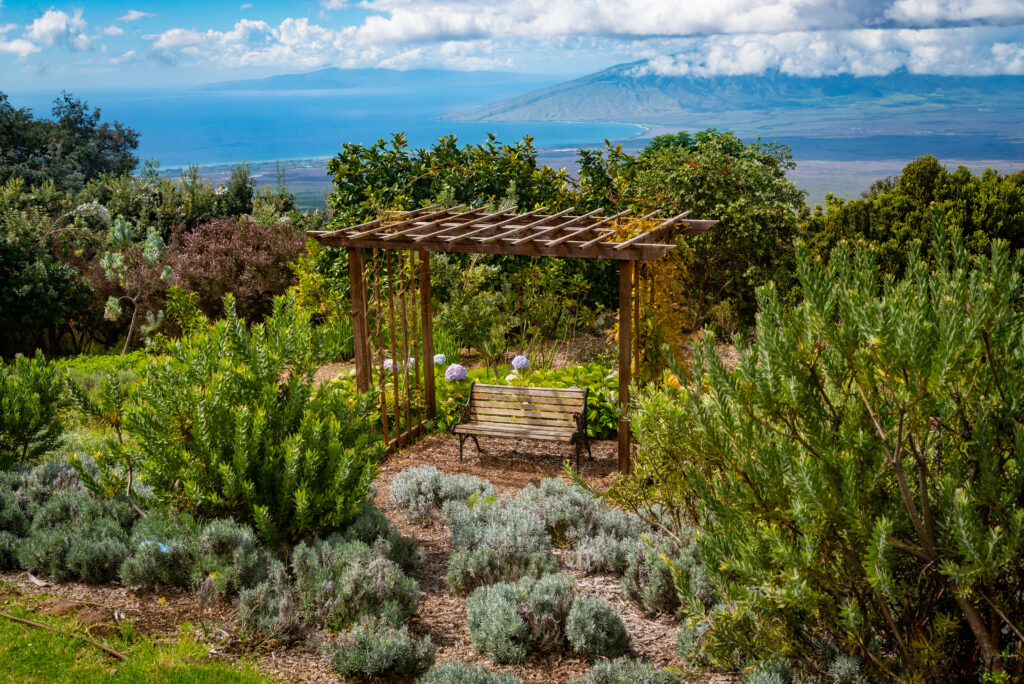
x=188, y=41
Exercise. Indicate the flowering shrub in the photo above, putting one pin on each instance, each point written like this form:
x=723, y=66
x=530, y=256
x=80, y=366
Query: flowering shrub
x=520, y=363
x=455, y=372
x=440, y=359
x=389, y=365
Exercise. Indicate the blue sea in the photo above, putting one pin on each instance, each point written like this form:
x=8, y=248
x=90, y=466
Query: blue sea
x=191, y=126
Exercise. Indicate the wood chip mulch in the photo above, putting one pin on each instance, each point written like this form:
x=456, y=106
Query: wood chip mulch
x=508, y=464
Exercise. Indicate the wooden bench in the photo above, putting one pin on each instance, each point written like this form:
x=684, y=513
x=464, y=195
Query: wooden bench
x=543, y=413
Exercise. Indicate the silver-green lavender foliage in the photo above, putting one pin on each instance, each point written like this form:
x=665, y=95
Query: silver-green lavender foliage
x=269, y=609
x=336, y=584
x=375, y=647
x=508, y=620
x=162, y=551
x=454, y=672
x=625, y=671
x=648, y=580
x=495, y=540
x=374, y=528
x=594, y=629
x=422, y=491
x=602, y=553
x=769, y=672
x=229, y=559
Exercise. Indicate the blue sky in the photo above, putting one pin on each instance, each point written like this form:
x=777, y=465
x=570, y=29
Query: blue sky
x=95, y=44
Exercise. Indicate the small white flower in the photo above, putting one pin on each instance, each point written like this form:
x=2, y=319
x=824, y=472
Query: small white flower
x=510, y=377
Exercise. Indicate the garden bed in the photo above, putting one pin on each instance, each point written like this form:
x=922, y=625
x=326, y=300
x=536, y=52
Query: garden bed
x=508, y=464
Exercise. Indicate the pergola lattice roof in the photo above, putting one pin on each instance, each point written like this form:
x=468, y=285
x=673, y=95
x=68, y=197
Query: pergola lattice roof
x=533, y=233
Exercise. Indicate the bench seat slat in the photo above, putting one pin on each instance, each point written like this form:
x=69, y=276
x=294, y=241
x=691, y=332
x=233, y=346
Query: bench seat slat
x=532, y=391
x=523, y=420
x=526, y=431
x=550, y=403
x=515, y=410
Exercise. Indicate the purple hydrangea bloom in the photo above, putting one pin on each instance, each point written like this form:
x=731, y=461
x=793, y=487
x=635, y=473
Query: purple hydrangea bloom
x=389, y=365
x=440, y=359
x=412, y=361
x=455, y=372
x=520, y=363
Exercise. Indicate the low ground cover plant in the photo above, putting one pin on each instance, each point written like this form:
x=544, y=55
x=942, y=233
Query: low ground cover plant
x=509, y=620
x=454, y=672
x=625, y=671
x=375, y=647
x=421, y=492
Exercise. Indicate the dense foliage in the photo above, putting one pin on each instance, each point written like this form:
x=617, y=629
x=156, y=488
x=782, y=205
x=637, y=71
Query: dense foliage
x=898, y=211
x=70, y=149
x=857, y=478
x=31, y=399
x=230, y=423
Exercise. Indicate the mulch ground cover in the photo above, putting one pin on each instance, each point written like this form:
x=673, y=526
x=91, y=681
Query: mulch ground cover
x=508, y=464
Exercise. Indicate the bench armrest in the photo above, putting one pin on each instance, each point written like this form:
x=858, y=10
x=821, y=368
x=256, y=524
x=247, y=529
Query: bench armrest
x=464, y=414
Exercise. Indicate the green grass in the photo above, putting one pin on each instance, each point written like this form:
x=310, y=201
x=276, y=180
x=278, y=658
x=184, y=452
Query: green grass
x=30, y=654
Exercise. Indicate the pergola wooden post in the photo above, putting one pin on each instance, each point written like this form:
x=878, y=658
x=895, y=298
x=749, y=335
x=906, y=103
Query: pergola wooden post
x=625, y=359
x=533, y=233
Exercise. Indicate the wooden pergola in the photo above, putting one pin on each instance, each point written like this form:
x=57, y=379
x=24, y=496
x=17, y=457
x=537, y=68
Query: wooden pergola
x=475, y=231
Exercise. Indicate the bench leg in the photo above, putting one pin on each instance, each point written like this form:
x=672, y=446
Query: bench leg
x=478, y=449
x=579, y=449
x=462, y=440
x=590, y=456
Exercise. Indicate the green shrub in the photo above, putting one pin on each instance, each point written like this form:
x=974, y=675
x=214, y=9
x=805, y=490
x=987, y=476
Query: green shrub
x=602, y=554
x=230, y=425
x=422, y=491
x=338, y=583
x=162, y=551
x=31, y=399
x=228, y=559
x=12, y=518
x=375, y=647
x=495, y=541
x=374, y=528
x=8, y=551
x=269, y=609
x=33, y=488
x=648, y=580
x=454, y=672
x=73, y=536
x=769, y=672
x=625, y=671
x=594, y=629
x=856, y=476
x=508, y=620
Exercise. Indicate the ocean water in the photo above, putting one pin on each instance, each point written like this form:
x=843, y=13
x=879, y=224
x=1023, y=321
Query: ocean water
x=188, y=126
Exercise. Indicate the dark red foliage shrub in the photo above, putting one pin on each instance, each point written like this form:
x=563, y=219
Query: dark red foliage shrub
x=237, y=256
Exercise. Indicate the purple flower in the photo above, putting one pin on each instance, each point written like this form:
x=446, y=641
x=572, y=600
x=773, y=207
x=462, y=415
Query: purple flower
x=455, y=372
x=520, y=363
x=440, y=359
x=412, y=361
x=389, y=365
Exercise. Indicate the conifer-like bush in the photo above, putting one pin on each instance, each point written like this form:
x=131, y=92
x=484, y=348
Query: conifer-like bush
x=31, y=398
x=594, y=629
x=454, y=672
x=230, y=425
x=858, y=477
x=422, y=491
x=625, y=671
x=375, y=647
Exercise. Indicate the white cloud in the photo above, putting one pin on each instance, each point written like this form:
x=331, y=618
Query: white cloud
x=19, y=46
x=134, y=15
x=124, y=58
x=245, y=6
x=863, y=52
x=55, y=27
x=113, y=31
x=938, y=12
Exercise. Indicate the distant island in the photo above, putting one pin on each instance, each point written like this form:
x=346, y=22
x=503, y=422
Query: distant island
x=900, y=103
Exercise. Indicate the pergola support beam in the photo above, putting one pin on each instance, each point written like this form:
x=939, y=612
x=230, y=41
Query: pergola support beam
x=360, y=328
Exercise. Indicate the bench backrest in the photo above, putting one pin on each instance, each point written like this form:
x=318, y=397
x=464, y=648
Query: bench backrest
x=537, y=406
